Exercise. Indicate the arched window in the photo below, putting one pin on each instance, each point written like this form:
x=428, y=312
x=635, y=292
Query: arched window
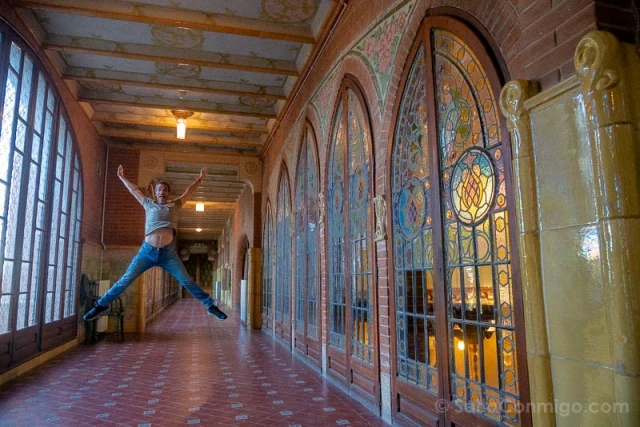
x=451, y=208
x=40, y=208
x=283, y=256
x=306, y=239
x=267, y=270
x=350, y=244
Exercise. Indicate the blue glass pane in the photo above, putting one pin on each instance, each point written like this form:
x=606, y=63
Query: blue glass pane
x=15, y=57
x=25, y=91
x=13, y=214
x=6, y=134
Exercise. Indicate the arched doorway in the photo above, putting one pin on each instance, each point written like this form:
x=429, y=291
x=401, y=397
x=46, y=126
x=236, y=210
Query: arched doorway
x=458, y=332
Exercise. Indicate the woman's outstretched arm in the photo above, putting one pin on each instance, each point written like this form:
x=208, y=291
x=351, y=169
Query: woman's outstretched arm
x=134, y=190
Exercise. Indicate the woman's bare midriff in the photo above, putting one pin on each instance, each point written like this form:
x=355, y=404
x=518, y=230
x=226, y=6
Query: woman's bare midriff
x=160, y=238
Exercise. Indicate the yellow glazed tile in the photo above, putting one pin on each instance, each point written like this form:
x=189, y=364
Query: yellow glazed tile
x=583, y=394
x=574, y=296
x=628, y=396
x=564, y=171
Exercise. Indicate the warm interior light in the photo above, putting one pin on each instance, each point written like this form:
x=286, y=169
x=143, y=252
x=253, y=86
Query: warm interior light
x=199, y=206
x=198, y=229
x=181, y=128
x=181, y=117
x=460, y=345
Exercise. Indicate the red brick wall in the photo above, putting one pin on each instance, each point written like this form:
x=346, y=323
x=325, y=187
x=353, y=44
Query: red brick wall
x=621, y=17
x=533, y=40
x=124, y=217
x=243, y=230
x=91, y=147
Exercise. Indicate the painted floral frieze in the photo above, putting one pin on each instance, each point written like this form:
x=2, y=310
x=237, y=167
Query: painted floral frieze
x=324, y=98
x=379, y=47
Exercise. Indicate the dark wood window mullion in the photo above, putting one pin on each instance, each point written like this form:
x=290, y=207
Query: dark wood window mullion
x=26, y=167
x=48, y=214
x=346, y=243
x=17, y=251
x=64, y=234
x=439, y=271
x=4, y=75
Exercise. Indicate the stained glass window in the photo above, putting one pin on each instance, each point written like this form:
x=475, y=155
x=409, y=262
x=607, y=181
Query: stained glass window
x=413, y=236
x=283, y=252
x=306, y=237
x=451, y=180
x=349, y=223
x=358, y=148
x=267, y=264
x=477, y=256
x=336, y=229
x=29, y=223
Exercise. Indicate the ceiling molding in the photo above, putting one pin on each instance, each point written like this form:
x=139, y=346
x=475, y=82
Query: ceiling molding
x=170, y=122
x=175, y=147
x=164, y=104
x=177, y=17
x=166, y=82
x=146, y=52
x=171, y=137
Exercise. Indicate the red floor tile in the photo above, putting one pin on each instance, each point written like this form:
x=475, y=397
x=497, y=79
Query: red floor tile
x=187, y=369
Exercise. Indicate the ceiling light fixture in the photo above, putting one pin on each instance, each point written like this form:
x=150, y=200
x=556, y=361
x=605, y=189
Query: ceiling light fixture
x=199, y=206
x=198, y=229
x=181, y=117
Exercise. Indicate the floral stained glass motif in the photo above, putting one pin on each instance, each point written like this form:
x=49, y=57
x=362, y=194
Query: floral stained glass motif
x=481, y=341
x=267, y=265
x=359, y=156
x=307, y=239
x=283, y=252
x=336, y=230
x=412, y=236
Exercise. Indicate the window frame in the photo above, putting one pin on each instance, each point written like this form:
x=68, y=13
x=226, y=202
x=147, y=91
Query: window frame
x=31, y=340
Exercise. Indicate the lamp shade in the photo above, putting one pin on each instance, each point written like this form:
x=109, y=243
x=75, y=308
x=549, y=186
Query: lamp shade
x=181, y=128
x=181, y=117
x=199, y=206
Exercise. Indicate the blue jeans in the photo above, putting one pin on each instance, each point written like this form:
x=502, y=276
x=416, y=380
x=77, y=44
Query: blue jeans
x=147, y=257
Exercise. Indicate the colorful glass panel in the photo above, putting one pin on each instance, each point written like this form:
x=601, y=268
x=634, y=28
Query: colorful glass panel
x=412, y=235
x=283, y=252
x=359, y=146
x=267, y=259
x=306, y=239
x=477, y=256
x=312, y=231
x=336, y=234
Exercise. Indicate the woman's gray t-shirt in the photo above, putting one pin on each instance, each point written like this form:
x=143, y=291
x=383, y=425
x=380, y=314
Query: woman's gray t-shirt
x=159, y=216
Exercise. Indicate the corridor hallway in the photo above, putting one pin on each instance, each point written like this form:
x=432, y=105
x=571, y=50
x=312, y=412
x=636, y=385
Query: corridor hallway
x=187, y=368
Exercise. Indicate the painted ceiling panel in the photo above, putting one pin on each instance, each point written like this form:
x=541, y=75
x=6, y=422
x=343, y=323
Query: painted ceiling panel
x=232, y=64
x=299, y=11
x=188, y=72
x=160, y=35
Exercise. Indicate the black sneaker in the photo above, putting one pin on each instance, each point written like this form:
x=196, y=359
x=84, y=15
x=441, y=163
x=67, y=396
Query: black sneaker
x=95, y=311
x=213, y=310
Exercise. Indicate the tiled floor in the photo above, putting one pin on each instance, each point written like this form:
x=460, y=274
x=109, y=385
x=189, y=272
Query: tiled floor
x=188, y=368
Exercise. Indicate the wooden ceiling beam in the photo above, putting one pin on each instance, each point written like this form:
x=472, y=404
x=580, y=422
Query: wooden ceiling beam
x=165, y=103
x=170, y=136
x=175, y=17
x=96, y=75
x=168, y=122
x=181, y=147
x=143, y=52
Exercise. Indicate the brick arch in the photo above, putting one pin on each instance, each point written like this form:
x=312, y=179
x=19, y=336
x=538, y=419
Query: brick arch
x=321, y=145
x=353, y=66
x=242, y=243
